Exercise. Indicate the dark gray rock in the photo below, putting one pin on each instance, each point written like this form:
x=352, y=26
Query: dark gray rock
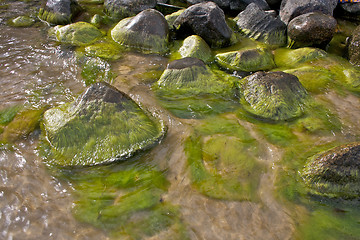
x=234, y=5
x=312, y=29
x=59, y=12
x=354, y=47
x=348, y=11
x=335, y=173
x=262, y=26
x=119, y=9
x=290, y=9
x=206, y=20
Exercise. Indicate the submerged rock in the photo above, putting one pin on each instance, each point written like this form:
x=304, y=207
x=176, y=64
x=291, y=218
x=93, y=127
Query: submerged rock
x=335, y=173
x=119, y=9
x=101, y=126
x=22, y=21
x=312, y=29
x=273, y=95
x=148, y=31
x=195, y=47
x=247, y=60
x=206, y=20
x=261, y=26
x=59, y=12
x=292, y=58
x=78, y=34
x=189, y=89
x=292, y=8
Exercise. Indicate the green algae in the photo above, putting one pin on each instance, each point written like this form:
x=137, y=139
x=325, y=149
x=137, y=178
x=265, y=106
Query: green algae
x=194, y=92
x=96, y=70
x=222, y=159
x=292, y=58
x=194, y=46
x=8, y=114
x=100, y=133
x=247, y=60
x=78, y=34
x=107, y=50
x=22, y=21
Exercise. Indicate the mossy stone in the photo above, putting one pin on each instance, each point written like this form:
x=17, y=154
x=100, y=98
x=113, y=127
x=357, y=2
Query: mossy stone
x=170, y=18
x=8, y=114
x=292, y=58
x=106, y=50
x=223, y=163
x=22, y=21
x=189, y=89
x=78, y=34
x=59, y=12
x=194, y=46
x=101, y=126
x=273, y=95
x=335, y=173
x=22, y=124
x=148, y=32
x=247, y=60
x=96, y=70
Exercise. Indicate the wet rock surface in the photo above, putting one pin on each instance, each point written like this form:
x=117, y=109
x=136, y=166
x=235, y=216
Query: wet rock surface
x=59, y=12
x=262, y=26
x=78, y=34
x=195, y=47
x=206, y=20
x=312, y=29
x=119, y=9
x=235, y=5
x=273, y=95
x=354, y=47
x=148, y=31
x=335, y=173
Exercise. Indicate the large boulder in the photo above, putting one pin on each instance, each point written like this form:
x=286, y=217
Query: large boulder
x=119, y=9
x=335, y=173
x=247, y=60
x=262, y=26
x=206, y=20
x=273, y=95
x=195, y=47
x=312, y=29
x=101, y=126
x=290, y=9
x=354, y=47
x=59, y=12
x=234, y=5
x=148, y=32
x=78, y=34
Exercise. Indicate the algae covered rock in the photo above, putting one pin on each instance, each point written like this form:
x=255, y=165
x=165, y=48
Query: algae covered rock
x=22, y=21
x=335, y=173
x=59, y=12
x=247, y=60
x=354, y=47
x=273, y=95
x=222, y=158
x=195, y=47
x=234, y=5
x=78, y=34
x=206, y=20
x=262, y=26
x=189, y=89
x=312, y=29
x=148, y=31
x=106, y=50
x=119, y=9
x=101, y=126
x=292, y=58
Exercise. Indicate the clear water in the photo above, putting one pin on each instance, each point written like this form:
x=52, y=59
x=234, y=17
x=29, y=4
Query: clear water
x=37, y=204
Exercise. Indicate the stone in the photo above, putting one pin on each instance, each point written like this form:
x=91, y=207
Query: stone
x=290, y=9
x=195, y=47
x=246, y=60
x=59, y=12
x=354, y=47
x=261, y=26
x=234, y=5
x=119, y=9
x=206, y=20
x=292, y=58
x=101, y=126
x=273, y=95
x=148, y=32
x=312, y=29
x=78, y=34
x=335, y=172
x=22, y=21
x=349, y=11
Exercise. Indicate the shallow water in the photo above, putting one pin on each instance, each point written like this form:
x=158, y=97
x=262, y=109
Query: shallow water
x=36, y=203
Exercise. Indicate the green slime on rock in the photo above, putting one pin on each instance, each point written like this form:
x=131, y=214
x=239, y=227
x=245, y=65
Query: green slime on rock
x=222, y=160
